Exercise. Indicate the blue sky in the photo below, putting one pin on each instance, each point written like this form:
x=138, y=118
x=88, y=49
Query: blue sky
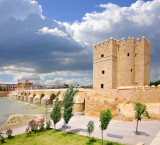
x=50, y=42
x=74, y=10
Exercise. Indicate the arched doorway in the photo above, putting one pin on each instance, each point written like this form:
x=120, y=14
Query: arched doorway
x=52, y=97
x=84, y=105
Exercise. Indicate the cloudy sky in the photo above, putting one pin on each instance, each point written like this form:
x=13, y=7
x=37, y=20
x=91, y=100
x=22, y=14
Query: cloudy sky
x=50, y=42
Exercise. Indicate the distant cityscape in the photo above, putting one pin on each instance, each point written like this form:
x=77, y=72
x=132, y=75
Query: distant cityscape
x=26, y=85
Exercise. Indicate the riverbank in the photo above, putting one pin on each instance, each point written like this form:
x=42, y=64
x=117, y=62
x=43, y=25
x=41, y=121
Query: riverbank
x=16, y=120
x=9, y=107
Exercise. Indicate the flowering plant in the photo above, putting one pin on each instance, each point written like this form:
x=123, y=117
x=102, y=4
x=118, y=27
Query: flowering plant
x=2, y=138
x=9, y=133
x=27, y=131
x=41, y=124
x=33, y=125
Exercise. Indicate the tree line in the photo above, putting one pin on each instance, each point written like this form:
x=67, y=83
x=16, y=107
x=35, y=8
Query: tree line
x=155, y=83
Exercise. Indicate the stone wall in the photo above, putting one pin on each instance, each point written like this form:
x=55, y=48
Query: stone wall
x=123, y=99
x=104, y=64
x=120, y=64
x=126, y=63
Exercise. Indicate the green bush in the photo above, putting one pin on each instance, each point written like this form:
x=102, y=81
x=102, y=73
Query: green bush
x=48, y=125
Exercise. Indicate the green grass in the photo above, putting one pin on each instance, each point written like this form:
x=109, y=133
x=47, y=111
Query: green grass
x=53, y=137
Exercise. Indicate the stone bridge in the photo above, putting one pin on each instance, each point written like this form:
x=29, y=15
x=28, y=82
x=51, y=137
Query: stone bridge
x=40, y=97
x=92, y=101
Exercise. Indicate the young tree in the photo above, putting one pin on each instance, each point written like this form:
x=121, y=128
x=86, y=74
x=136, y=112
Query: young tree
x=56, y=112
x=90, y=128
x=105, y=118
x=140, y=110
x=68, y=104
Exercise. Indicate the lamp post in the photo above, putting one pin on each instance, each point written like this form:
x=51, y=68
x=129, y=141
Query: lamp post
x=46, y=108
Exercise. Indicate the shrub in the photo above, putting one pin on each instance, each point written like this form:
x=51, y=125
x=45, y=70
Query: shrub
x=2, y=139
x=48, y=125
x=41, y=124
x=56, y=112
x=9, y=133
x=33, y=124
x=90, y=128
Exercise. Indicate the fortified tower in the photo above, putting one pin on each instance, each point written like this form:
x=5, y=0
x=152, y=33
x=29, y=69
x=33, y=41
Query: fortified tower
x=121, y=64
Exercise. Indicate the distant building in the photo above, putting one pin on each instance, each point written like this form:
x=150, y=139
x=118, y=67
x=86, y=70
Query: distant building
x=39, y=87
x=20, y=86
x=57, y=86
x=11, y=87
x=24, y=85
x=3, y=87
x=7, y=87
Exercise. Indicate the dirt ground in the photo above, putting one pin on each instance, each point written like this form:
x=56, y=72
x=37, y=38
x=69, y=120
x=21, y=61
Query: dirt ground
x=16, y=120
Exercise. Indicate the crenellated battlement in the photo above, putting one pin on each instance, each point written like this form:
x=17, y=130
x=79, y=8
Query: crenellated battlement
x=148, y=88
x=138, y=41
x=126, y=63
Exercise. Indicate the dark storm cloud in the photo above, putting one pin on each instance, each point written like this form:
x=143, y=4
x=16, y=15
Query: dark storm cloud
x=29, y=40
x=21, y=44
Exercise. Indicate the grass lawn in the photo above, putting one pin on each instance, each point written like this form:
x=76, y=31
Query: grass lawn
x=53, y=137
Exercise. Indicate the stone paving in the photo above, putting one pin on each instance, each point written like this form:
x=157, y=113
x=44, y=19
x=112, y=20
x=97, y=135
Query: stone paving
x=156, y=140
x=150, y=130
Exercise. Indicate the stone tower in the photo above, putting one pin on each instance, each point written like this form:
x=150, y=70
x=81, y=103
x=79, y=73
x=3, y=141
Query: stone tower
x=121, y=64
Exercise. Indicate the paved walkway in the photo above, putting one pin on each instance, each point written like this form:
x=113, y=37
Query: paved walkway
x=150, y=130
x=156, y=140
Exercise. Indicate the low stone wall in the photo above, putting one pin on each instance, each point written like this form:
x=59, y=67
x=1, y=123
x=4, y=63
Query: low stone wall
x=120, y=101
x=98, y=101
x=79, y=107
x=127, y=112
x=4, y=93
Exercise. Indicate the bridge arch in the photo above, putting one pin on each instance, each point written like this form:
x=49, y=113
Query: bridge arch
x=52, y=97
x=37, y=99
x=26, y=95
x=30, y=97
x=42, y=95
x=48, y=97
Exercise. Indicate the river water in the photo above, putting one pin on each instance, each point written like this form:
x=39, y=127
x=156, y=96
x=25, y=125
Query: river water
x=9, y=106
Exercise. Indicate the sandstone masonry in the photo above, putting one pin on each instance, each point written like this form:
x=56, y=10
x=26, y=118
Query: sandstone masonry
x=121, y=64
